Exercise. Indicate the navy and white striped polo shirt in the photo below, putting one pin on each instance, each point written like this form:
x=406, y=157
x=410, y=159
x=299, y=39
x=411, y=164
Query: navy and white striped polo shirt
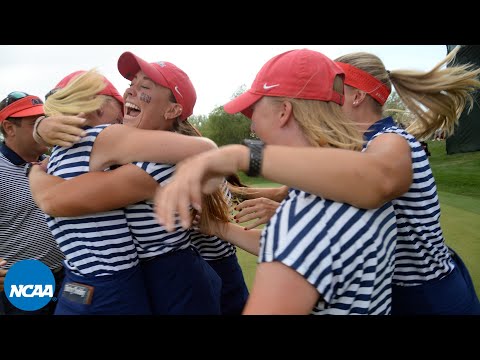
x=421, y=254
x=24, y=233
x=97, y=244
x=211, y=247
x=346, y=253
x=152, y=239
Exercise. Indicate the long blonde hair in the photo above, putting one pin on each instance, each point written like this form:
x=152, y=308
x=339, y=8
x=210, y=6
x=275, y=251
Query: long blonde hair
x=215, y=206
x=324, y=123
x=436, y=98
x=80, y=95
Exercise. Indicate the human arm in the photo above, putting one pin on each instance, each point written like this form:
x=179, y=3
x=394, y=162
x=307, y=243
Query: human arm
x=120, y=144
x=363, y=179
x=280, y=290
x=366, y=179
x=61, y=130
x=92, y=192
x=248, y=240
x=274, y=193
x=261, y=209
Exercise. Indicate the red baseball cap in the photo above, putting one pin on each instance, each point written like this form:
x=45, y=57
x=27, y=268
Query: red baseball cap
x=20, y=104
x=300, y=74
x=165, y=74
x=109, y=90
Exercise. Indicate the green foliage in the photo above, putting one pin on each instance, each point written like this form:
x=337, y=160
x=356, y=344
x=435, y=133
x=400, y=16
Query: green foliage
x=395, y=108
x=458, y=173
x=459, y=191
x=198, y=121
x=224, y=128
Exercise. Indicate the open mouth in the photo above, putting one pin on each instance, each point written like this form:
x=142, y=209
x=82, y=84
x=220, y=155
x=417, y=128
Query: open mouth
x=132, y=110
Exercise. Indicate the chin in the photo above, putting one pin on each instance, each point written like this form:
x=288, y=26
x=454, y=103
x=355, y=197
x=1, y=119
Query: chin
x=131, y=122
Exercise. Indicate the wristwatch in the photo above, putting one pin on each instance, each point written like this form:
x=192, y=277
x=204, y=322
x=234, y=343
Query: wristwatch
x=256, y=156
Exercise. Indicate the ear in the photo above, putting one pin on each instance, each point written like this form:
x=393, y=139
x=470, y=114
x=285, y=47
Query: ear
x=173, y=111
x=8, y=127
x=359, y=97
x=286, y=112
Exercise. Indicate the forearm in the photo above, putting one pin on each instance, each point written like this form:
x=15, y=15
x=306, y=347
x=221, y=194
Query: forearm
x=340, y=175
x=248, y=240
x=276, y=193
x=90, y=193
x=119, y=144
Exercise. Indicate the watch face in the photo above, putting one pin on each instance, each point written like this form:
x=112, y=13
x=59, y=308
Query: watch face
x=252, y=141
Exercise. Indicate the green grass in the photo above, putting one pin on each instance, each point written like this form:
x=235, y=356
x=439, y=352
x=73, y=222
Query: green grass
x=458, y=181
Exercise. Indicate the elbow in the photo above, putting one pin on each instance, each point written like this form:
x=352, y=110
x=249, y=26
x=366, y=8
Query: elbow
x=388, y=190
x=209, y=144
x=47, y=205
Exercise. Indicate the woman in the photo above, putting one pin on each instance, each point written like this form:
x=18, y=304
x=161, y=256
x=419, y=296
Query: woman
x=103, y=258
x=146, y=97
x=316, y=256
x=429, y=278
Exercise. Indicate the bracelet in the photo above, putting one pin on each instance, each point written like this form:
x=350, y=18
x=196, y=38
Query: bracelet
x=35, y=127
x=256, y=156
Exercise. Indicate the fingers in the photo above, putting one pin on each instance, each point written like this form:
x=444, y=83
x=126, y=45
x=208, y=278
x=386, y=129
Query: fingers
x=72, y=130
x=256, y=223
x=245, y=204
x=76, y=121
x=246, y=214
x=183, y=207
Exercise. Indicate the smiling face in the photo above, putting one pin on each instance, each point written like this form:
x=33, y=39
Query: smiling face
x=149, y=105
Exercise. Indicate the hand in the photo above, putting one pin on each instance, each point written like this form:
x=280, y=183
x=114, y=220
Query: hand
x=197, y=175
x=261, y=209
x=61, y=130
x=3, y=273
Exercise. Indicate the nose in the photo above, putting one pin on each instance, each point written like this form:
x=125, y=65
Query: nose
x=131, y=90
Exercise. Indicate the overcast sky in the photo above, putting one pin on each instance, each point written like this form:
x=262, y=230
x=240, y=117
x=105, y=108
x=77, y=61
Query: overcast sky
x=216, y=71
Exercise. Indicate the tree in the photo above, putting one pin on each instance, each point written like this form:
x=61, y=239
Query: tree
x=395, y=108
x=225, y=128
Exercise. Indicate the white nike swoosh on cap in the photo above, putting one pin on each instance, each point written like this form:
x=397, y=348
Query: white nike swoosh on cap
x=178, y=91
x=267, y=87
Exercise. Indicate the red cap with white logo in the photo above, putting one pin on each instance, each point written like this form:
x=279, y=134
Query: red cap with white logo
x=165, y=74
x=298, y=74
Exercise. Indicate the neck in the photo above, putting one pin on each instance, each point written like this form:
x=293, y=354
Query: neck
x=365, y=116
x=29, y=155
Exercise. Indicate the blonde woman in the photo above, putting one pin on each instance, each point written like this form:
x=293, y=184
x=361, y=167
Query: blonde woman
x=429, y=278
x=102, y=255
x=151, y=103
x=316, y=255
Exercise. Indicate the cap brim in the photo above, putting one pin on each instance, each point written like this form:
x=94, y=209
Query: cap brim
x=33, y=111
x=129, y=65
x=242, y=104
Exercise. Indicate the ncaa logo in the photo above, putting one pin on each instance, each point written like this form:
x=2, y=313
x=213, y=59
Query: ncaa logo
x=29, y=285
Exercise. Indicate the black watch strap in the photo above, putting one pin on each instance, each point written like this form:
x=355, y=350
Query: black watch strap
x=256, y=156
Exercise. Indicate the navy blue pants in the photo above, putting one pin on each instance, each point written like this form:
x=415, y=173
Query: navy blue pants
x=234, y=290
x=452, y=295
x=122, y=293
x=182, y=283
